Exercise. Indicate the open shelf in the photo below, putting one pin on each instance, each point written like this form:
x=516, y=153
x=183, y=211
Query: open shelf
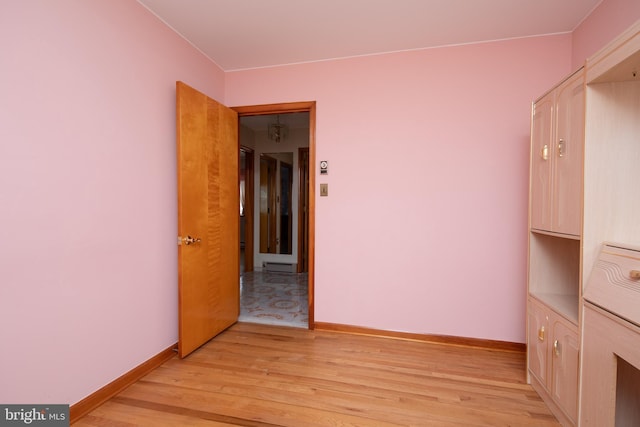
x=565, y=305
x=555, y=273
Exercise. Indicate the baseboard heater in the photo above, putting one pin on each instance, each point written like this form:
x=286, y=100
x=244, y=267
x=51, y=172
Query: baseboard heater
x=279, y=267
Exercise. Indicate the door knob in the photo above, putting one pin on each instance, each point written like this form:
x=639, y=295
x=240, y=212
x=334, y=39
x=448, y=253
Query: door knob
x=189, y=240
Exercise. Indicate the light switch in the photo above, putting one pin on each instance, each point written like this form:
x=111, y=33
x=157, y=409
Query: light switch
x=324, y=190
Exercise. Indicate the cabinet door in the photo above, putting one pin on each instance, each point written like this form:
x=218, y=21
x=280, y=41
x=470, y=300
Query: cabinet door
x=568, y=156
x=565, y=359
x=537, y=338
x=541, y=158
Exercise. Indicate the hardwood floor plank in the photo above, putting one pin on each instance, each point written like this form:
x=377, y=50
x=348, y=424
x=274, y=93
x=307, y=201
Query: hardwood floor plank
x=261, y=375
x=280, y=378
x=399, y=404
x=249, y=408
x=125, y=412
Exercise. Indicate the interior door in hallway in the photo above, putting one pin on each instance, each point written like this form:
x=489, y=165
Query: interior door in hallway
x=268, y=207
x=208, y=220
x=303, y=211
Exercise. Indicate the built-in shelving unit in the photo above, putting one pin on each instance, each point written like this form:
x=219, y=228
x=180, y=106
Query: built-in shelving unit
x=555, y=231
x=594, y=175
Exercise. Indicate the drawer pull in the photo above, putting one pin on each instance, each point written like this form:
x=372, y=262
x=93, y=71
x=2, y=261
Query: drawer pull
x=635, y=274
x=556, y=348
x=541, y=333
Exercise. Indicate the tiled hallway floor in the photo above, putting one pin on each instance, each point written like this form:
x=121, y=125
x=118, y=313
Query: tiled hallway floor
x=274, y=298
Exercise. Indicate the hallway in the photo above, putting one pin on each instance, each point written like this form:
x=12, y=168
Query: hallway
x=274, y=298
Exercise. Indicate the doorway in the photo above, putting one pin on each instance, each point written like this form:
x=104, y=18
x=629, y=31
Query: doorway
x=283, y=199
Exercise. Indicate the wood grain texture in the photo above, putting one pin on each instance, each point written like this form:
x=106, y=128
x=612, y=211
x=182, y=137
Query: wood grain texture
x=609, y=344
x=208, y=200
x=303, y=210
x=248, y=208
x=260, y=375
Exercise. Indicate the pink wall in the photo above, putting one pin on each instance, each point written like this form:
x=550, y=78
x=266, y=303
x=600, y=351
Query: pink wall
x=608, y=20
x=424, y=229
x=88, y=264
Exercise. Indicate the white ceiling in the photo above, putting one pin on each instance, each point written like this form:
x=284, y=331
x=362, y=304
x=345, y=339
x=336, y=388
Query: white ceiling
x=242, y=34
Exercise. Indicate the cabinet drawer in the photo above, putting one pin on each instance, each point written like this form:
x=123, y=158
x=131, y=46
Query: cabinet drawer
x=614, y=283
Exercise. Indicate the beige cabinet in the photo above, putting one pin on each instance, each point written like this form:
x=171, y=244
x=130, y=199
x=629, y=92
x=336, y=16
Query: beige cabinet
x=554, y=354
x=538, y=338
x=585, y=151
x=556, y=183
x=557, y=141
x=565, y=360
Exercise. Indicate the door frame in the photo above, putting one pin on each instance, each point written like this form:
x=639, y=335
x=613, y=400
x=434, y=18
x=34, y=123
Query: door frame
x=297, y=107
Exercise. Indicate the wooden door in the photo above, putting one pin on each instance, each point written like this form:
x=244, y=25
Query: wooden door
x=565, y=367
x=537, y=342
x=303, y=210
x=541, y=158
x=284, y=208
x=248, y=208
x=568, y=156
x=268, y=206
x=208, y=218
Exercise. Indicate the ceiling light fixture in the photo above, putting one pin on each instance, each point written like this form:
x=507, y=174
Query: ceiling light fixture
x=277, y=131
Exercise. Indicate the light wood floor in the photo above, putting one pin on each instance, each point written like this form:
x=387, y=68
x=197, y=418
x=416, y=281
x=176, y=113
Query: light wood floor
x=260, y=375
